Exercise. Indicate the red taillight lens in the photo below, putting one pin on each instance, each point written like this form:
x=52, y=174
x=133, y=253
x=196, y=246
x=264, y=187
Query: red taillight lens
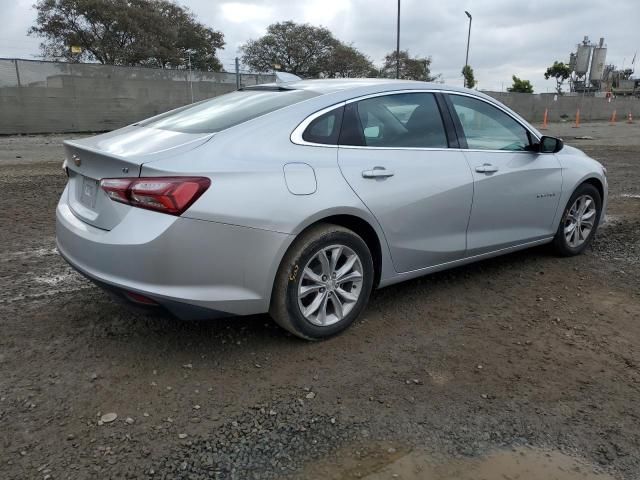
x=137, y=298
x=171, y=195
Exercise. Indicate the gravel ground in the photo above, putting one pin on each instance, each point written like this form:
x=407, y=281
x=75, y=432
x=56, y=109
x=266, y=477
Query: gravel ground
x=523, y=351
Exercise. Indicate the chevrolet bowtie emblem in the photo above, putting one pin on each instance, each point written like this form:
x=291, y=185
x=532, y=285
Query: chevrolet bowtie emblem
x=76, y=160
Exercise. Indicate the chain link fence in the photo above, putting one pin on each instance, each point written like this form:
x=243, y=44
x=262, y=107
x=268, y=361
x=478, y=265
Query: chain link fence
x=51, y=97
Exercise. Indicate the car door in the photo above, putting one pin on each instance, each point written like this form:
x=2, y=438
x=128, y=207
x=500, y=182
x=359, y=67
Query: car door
x=394, y=153
x=516, y=189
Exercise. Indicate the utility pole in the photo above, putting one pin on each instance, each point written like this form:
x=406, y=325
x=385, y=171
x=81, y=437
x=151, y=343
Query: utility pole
x=190, y=76
x=466, y=61
x=237, y=74
x=398, y=44
x=15, y=62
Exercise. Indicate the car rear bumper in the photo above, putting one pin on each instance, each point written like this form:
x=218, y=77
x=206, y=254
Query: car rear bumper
x=194, y=268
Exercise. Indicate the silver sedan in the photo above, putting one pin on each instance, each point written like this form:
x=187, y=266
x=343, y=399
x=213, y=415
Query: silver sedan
x=299, y=198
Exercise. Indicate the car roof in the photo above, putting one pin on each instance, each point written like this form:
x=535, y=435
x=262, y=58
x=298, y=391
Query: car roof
x=332, y=85
x=330, y=91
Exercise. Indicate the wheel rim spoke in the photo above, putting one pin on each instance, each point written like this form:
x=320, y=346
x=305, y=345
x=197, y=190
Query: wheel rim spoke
x=351, y=277
x=347, y=267
x=315, y=304
x=588, y=215
x=322, y=312
x=337, y=305
x=324, y=262
x=348, y=296
x=335, y=256
x=303, y=291
x=311, y=275
x=570, y=228
x=587, y=224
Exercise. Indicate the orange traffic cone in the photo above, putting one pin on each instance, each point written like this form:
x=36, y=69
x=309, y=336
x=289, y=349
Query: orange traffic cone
x=577, y=125
x=545, y=120
x=629, y=118
x=614, y=119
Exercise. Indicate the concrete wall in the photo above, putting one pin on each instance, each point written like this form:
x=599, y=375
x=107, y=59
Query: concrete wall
x=50, y=97
x=93, y=105
x=563, y=108
x=44, y=97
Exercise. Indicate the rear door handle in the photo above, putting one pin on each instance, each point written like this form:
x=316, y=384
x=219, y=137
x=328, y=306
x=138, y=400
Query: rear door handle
x=486, y=168
x=377, y=172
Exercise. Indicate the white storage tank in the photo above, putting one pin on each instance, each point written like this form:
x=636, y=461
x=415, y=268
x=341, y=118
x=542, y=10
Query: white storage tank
x=582, y=59
x=598, y=61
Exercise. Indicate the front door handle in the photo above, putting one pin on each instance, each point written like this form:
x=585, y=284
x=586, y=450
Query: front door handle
x=377, y=172
x=486, y=168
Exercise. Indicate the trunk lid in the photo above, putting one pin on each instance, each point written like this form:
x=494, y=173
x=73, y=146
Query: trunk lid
x=116, y=154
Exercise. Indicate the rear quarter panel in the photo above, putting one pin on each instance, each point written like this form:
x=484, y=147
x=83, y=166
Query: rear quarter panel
x=248, y=187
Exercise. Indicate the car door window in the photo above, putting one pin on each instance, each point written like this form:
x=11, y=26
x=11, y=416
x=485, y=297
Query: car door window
x=488, y=128
x=407, y=120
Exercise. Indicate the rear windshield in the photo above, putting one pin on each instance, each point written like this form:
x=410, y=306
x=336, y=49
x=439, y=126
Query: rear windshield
x=227, y=110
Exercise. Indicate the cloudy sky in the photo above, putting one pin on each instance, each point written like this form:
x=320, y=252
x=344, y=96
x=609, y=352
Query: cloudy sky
x=508, y=36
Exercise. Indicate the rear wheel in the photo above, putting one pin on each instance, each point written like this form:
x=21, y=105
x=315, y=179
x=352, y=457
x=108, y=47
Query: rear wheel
x=579, y=221
x=323, y=283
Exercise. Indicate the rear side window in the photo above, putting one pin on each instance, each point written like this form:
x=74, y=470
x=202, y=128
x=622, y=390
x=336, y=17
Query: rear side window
x=407, y=120
x=325, y=129
x=228, y=110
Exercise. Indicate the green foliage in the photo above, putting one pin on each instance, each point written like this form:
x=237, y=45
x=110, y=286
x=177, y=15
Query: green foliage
x=304, y=50
x=469, y=78
x=126, y=32
x=410, y=68
x=347, y=62
x=520, y=86
x=560, y=71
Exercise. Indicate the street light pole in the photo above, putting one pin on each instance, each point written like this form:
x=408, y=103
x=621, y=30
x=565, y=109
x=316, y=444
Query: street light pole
x=398, y=44
x=466, y=61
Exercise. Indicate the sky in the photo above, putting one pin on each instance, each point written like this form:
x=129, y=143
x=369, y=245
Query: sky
x=508, y=37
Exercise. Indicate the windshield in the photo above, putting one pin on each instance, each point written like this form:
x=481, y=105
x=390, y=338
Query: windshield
x=227, y=110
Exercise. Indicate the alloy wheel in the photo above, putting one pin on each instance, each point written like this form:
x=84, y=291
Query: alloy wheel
x=330, y=285
x=580, y=221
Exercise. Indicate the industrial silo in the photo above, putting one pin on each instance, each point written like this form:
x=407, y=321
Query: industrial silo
x=572, y=62
x=598, y=61
x=582, y=59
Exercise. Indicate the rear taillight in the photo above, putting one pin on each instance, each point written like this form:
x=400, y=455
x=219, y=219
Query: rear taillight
x=137, y=298
x=172, y=195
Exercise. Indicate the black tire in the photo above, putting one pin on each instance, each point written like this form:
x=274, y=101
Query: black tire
x=560, y=243
x=285, y=309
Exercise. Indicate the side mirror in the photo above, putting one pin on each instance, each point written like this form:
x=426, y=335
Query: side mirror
x=550, y=144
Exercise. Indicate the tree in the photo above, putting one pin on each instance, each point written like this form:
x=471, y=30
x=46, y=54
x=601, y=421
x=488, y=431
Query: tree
x=469, y=78
x=126, y=32
x=304, y=50
x=410, y=68
x=299, y=49
x=347, y=62
x=560, y=71
x=520, y=86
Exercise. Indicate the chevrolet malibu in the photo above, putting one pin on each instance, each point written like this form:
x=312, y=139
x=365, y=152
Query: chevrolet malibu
x=299, y=198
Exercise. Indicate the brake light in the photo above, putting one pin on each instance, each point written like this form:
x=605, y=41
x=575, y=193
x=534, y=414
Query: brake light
x=172, y=195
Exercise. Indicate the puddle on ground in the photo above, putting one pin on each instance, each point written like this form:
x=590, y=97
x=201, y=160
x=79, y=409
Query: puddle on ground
x=514, y=464
x=518, y=464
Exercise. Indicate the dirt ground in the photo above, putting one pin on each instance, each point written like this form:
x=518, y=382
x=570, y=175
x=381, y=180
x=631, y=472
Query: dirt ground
x=525, y=366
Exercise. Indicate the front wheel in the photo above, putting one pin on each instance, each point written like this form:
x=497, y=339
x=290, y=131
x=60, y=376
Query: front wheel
x=579, y=221
x=323, y=283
